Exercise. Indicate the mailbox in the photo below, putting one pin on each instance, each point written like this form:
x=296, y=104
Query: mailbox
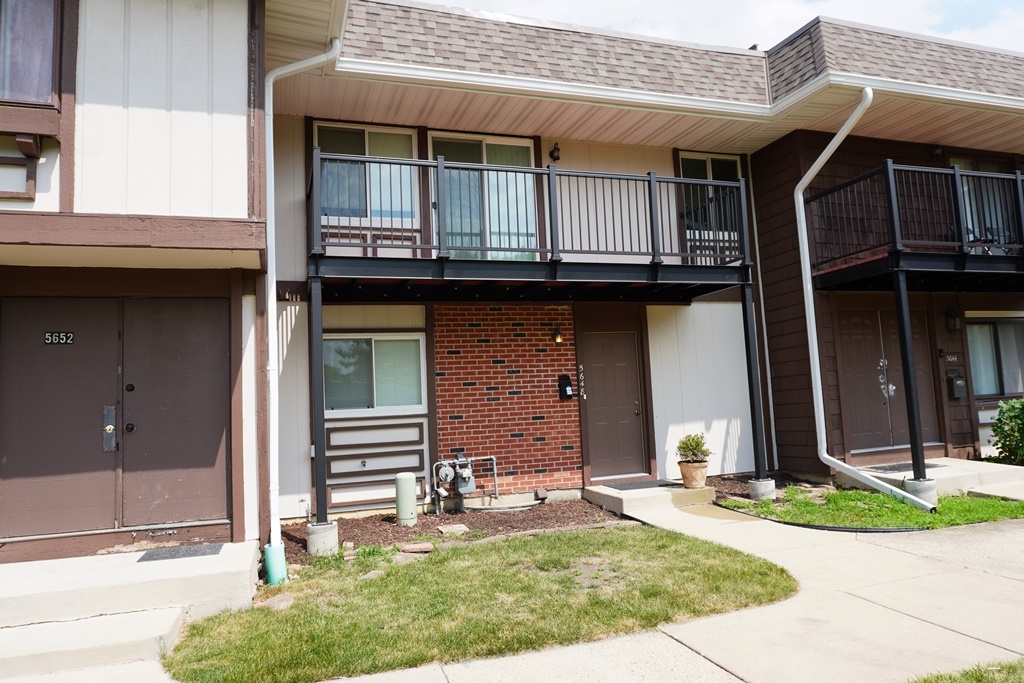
x=956, y=384
x=564, y=387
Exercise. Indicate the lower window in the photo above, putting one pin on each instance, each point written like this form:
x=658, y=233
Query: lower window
x=997, y=356
x=372, y=372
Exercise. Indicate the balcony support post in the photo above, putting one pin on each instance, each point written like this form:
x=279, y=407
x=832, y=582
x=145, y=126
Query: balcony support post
x=316, y=374
x=913, y=397
x=1018, y=239
x=960, y=216
x=892, y=206
x=553, y=238
x=655, y=231
x=442, y=222
x=316, y=241
x=754, y=381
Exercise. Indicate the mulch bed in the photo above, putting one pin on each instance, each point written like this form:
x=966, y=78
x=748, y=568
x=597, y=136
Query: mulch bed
x=735, y=486
x=384, y=531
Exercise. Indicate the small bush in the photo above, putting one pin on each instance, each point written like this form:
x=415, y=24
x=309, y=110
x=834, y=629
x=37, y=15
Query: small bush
x=693, y=448
x=1008, y=431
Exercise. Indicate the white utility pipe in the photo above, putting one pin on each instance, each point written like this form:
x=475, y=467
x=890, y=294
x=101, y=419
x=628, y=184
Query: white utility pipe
x=273, y=451
x=812, y=332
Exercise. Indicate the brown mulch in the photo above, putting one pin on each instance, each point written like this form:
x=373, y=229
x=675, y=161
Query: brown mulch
x=384, y=531
x=735, y=486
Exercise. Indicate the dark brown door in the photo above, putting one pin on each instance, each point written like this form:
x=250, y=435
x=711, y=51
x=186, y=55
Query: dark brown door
x=873, y=391
x=614, y=416
x=176, y=406
x=58, y=370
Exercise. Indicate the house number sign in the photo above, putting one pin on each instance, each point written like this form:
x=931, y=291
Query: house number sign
x=59, y=338
x=583, y=384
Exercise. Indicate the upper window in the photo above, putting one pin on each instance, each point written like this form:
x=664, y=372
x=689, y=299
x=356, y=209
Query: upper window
x=27, y=55
x=997, y=356
x=707, y=167
x=371, y=372
x=361, y=189
x=708, y=214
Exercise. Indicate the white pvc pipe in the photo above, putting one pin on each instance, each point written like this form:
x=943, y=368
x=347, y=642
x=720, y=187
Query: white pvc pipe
x=273, y=380
x=812, y=331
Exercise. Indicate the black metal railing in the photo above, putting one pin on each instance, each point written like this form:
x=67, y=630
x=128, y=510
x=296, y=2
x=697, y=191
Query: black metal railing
x=910, y=208
x=371, y=206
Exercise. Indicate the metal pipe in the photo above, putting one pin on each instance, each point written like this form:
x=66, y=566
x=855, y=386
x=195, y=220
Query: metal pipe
x=867, y=95
x=456, y=461
x=273, y=450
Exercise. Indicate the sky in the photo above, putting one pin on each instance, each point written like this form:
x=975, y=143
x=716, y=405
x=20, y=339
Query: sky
x=742, y=23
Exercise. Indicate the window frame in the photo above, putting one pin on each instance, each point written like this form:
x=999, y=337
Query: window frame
x=694, y=241
x=55, y=67
x=369, y=221
x=385, y=411
x=993, y=324
x=488, y=229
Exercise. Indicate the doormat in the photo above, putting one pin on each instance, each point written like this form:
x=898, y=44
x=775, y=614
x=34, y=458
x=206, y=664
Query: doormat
x=898, y=467
x=179, y=552
x=647, y=484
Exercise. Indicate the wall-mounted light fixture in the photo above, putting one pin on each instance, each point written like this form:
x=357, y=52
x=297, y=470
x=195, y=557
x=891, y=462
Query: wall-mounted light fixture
x=555, y=153
x=557, y=336
x=952, y=320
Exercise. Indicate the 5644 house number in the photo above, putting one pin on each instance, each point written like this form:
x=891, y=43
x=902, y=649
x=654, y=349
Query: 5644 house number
x=58, y=337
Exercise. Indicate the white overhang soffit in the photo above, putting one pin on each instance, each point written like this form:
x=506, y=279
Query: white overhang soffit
x=655, y=101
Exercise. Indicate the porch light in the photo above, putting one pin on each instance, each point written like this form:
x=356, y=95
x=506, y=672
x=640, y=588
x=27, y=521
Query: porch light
x=952, y=320
x=555, y=153
x=557, y=336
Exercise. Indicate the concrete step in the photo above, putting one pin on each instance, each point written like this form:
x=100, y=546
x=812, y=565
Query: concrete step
x=61, y=647
x=82, y=587
x=133, y=672
x=625, y=503
x=951, y=475
x=1012, y=490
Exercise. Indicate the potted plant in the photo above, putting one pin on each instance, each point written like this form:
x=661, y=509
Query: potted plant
x=693, y=455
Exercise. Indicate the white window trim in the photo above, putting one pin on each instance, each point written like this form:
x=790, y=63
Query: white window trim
x=484, y=140
x=388, y=411
x=994, y=319
x=706, y=158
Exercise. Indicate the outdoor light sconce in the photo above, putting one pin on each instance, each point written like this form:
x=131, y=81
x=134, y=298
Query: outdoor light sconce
x=555, y=153
x=952, y=320
x=557, y=336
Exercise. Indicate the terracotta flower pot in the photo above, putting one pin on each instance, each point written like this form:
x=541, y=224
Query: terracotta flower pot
x=695, y=474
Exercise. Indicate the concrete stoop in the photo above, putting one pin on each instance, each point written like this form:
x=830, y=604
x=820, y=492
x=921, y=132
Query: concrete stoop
x=83, y=618
x=625, y=503
x=951, y=475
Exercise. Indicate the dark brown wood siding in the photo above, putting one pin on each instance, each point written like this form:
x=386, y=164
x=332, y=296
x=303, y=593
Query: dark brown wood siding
x=775, y=171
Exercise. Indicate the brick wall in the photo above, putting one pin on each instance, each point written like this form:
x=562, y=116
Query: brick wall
x=496, y=378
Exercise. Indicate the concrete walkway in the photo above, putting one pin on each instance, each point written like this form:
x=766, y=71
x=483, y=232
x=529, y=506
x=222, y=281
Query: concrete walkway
x=871, y=607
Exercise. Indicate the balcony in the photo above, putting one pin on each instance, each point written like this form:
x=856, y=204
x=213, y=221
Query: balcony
x=946, y=225
x=373, y=218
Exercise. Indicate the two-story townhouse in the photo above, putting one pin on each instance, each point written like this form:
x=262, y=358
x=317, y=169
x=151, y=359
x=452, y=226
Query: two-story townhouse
x=474, y=210
x=131, y=240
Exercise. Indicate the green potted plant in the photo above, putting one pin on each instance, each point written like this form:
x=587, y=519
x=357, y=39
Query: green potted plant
x=693, y=453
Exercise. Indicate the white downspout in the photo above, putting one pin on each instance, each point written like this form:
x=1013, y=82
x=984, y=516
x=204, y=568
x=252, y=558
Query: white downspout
x=274, y=552
x=812, y=331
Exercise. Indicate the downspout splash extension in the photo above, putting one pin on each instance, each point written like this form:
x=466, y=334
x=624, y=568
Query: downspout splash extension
x=867, y=95
x=273, y=552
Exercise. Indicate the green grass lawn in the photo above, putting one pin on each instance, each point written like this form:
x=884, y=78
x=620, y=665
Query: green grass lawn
x=870, y=509
x=477, y=600
x=1005, y=672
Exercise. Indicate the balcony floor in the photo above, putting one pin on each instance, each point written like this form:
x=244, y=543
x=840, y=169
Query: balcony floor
x=927, y=273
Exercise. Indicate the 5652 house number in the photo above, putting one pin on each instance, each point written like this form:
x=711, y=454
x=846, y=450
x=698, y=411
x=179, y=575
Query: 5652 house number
x=58, y=337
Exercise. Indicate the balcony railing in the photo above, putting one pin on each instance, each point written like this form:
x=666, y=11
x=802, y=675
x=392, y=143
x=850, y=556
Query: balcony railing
x=374, y=207
x=915, y=209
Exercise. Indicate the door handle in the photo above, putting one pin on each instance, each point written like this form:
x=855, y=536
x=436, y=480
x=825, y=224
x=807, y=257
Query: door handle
x=636, y=412
x=130, y=427
x=109, y=429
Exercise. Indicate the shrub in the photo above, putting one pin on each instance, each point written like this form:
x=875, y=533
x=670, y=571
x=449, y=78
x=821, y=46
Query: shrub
x=693, y=448
x=1008, y=432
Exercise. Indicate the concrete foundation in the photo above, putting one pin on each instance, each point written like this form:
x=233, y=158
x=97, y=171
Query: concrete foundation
x=760, y=489
x=322, y=539
x=925, y=489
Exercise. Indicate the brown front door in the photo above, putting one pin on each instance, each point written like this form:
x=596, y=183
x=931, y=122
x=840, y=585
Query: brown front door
x=873, y=391
x=613, y=393
x=55, y=475
x=176, y=365
x=113, y=413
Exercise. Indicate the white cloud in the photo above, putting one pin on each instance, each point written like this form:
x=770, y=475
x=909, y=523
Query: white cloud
x=740, y=23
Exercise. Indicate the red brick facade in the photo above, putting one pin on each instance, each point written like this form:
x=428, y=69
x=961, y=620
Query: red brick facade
x=496, y=378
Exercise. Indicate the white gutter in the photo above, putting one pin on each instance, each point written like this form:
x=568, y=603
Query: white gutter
x=812, y=331
x=273, y=380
